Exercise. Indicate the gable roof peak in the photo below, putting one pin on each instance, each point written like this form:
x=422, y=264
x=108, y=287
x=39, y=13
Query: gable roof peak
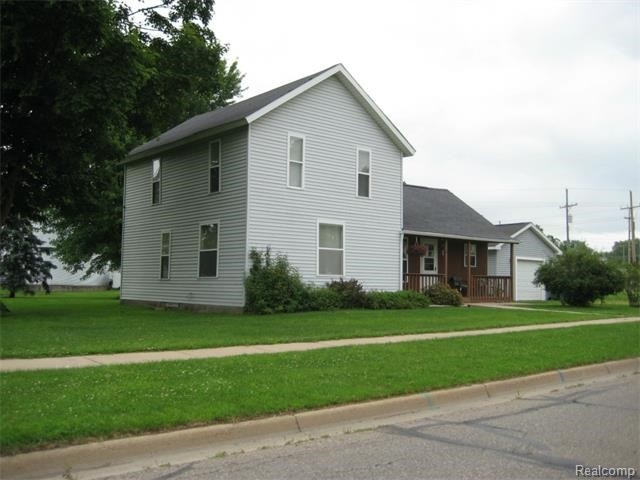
x=249, y=110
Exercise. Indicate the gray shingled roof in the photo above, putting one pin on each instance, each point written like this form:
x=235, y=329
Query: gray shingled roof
x=511, y=228
x=222, y=116
x=440, y=212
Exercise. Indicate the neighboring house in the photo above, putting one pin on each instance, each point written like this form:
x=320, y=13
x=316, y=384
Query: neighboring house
x=533, y=249
x=456, y=242
x=63, y=279
x=312, y=169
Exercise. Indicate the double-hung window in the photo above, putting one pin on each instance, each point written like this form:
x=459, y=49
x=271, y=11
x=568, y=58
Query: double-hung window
x=474, y=253
x=330, y=249
x=165, y=254
x=364, y=173
x=295, y=161
x=155, y=181
x=208, y=254
x=215, y=165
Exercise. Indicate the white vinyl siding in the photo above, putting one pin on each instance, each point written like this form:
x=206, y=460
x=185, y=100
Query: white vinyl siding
x=156, y=175
x=215, y=166
x=185, y=205
x=295, y=161
x=363, y=181
x=529, y=246
x=334, y=125
x=165, y=255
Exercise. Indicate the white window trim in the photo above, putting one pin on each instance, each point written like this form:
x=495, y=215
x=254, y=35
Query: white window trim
x=343, y=249
x=162, y=232
x=358, y=150
x=219, y=167
x=154, y=181
x=304, y=158
x=434, y=243
x=200, y=225
x=469, y=255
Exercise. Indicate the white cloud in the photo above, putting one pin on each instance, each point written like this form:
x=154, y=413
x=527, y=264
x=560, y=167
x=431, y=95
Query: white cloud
x=507, y=103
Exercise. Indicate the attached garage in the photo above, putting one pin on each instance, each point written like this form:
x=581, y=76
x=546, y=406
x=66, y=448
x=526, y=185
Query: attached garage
x=525, y=273
x=531, y=251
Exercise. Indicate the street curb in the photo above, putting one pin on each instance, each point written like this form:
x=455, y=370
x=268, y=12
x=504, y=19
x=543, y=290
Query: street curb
x=136, y=453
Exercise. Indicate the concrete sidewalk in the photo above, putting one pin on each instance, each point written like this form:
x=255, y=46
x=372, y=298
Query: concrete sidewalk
x=8, y=365
x=118, y=456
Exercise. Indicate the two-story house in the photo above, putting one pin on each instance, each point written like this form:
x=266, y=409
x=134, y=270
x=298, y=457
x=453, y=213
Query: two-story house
x=312, y=169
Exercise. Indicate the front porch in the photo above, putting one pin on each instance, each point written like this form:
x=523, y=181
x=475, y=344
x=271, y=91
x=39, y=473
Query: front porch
x=462, y=264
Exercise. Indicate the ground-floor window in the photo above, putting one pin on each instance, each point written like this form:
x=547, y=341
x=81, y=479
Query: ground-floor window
x=165, y=254
x=208, y=254
x=330, y=249
x=474, y=257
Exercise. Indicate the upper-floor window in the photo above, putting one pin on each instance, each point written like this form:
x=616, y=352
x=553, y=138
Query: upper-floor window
x=155, y=181
x=215, y=165
x=295, y=161
x=208, y=251
x=330, y=249
x=474, y=255
x=364, y=173
x=165, y=254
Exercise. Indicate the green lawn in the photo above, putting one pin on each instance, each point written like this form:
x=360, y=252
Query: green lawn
x=83, y=323
x=53, y=407
x=614, y=305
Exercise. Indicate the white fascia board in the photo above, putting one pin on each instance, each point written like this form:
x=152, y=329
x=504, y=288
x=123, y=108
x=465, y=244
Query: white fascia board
x=391, y=130
x=456, y=237
x=541, y=235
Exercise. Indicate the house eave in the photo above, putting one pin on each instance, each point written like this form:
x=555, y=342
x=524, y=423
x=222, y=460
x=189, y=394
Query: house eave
x=458, y=237
x=152, y=151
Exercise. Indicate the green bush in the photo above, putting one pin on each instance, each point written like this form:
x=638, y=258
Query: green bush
x=442, y=294
x=632, y=284
x=273, y=286
x=579, y=276
x=323, y=299
x=351, y=293
x=400, y=300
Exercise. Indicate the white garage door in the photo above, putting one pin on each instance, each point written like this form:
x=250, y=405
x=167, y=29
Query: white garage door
x=525, y=289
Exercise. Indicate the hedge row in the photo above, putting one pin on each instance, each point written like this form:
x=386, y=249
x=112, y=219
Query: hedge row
x=273, y=286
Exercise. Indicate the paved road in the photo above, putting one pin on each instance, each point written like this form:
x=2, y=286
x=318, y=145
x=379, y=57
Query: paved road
x=541, y=436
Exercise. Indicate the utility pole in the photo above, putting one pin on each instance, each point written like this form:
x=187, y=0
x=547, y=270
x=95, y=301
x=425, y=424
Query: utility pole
x=633, y=255
x=566, y=207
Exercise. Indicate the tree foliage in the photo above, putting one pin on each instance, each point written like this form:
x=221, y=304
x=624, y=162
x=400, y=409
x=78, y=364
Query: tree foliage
x=273, y=285
x=632, y=283
x=620, y=250
x=21, y=262
x=82, y=83
x=579, y=276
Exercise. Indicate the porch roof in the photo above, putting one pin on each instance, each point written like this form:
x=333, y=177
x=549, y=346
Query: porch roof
x=439, y=213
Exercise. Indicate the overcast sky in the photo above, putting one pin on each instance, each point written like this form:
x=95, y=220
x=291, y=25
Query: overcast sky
x=506, y=103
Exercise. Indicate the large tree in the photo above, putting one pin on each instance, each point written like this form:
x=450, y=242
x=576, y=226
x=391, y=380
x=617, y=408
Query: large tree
x=21, y=263
x=82, y=83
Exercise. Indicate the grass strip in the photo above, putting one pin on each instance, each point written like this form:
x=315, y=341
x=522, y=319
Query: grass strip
x=47, y=408
x=94, y=322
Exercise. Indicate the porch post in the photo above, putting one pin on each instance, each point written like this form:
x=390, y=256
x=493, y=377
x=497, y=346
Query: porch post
x=511, y=270
x=446, y=260
x=469, y=287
